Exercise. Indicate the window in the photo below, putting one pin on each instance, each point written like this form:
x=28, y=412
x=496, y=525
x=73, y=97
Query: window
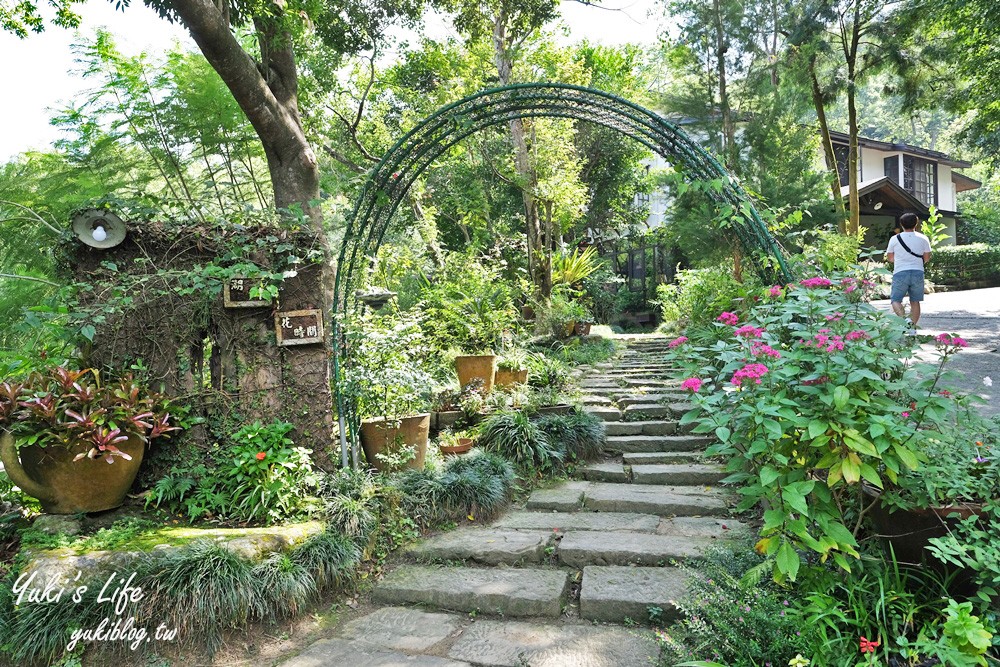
x=920, y=179
x=892, y=168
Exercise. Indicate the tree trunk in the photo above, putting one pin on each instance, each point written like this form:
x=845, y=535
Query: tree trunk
x=268, y=95
x=828, y=154
x=854, y=222
x=728, y=126
x=539, y=270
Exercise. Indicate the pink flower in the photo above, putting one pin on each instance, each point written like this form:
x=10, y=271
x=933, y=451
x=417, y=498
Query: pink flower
x=836, y=345
x=760, y=348
x=959, y=342
x=775, y=291
x=836, y=317
x=906, y=415
x=816, y=282
x=943, y=338
x=858, y=335
x=749, y=372
x=947, y=339
x=748, y=331
x=945, y=393
x=850, y=288
x=680, y=340
x=692, y=384
x=728, y=318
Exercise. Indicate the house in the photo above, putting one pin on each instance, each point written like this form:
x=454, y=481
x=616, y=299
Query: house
x=894, y=177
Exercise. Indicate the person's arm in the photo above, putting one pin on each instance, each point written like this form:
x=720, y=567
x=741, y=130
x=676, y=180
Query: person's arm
x=890, y=257
x=927, y=257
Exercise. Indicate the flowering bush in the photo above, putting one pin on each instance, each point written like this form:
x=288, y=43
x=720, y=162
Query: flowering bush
x=812, y=394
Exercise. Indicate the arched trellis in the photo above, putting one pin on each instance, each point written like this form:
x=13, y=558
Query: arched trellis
x=389, y=181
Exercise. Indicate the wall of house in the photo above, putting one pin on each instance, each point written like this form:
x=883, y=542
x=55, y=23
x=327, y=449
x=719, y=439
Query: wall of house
x=946, y=189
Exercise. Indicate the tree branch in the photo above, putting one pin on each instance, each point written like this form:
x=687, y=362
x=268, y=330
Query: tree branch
x=31, y=278
x=343, y=159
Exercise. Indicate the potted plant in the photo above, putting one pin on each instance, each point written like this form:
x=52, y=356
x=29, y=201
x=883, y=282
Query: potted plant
x=473, y=367
x=562, y=313
x=74, y=443
x=512, y=368
x=391, y=393
x=583, y=326
x=455, y=443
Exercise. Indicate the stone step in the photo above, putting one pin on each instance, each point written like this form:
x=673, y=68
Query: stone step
x=499, y=591
x=607, y=414
x=582, y=548
x=653, y=499
x=649, y=382
x=483, y=545
x=645, y=411
x=597, y=400
x=518, y=643
x=579, y=521
x=700, y=526
x=652, y=458
x=567, y=497
x=642, y=428
x=650, y=398
x=613, y=593
x=656, y=443
x=605, y=472
x=361, y=654
x=699, y=474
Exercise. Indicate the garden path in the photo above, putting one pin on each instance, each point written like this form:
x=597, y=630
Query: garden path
x=975, y=316
x=573, y=577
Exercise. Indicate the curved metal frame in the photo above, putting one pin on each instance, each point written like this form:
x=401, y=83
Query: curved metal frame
x=402, y=164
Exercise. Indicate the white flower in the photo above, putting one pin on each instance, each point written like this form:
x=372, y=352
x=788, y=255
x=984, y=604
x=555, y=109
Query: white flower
x=988, y=381
x=289, y=274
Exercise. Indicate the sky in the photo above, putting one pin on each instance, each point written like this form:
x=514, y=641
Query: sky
x=40, y=68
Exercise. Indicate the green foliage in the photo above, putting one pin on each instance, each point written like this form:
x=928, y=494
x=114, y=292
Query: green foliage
x=579, y=352
x=907, y=610
x=699, y=295
x=972, y=546
x=385, y=377
x=515, y=436
x=556, y=316
x=478, y=484
x=826, y=252
x=575, y=267
x=261, y=478
x=545, y=371
x=963, y=264
x=332, y=558
x=825, y=402
x=366, y=510
x=733, y=616
x=119, y=533
x=580, y=435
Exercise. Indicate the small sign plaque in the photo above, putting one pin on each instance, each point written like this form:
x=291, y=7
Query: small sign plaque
x=299, y=327
x=236, y=294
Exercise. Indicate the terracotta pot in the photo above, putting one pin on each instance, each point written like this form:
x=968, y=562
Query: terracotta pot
x=583, y=328
x=65, y=486
x=472, y=367
x=510, y=378
x=463, y=446
x=907, y=531
x=527, y=313
x=379, y=436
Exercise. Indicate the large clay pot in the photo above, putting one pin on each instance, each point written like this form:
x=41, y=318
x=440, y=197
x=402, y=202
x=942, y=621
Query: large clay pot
x=480, y=366
x=65, y=486
x=379, y=435
x=583, y=328
x=510, y=378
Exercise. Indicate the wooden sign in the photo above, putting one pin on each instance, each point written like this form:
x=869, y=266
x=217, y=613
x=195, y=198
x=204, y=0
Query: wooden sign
x=299, y=327
x=236, y=294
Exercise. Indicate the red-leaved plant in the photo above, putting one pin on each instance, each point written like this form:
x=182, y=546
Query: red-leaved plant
x=63, y=408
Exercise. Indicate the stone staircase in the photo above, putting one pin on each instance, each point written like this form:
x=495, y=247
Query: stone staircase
x=595, y=550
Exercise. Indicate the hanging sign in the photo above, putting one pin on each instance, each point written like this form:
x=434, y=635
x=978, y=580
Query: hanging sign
x=299, y=327
x=236, y=294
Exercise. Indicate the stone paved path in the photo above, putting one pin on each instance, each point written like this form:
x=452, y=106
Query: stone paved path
x=570, y=579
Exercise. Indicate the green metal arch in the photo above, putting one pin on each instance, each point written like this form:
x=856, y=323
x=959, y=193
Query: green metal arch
x=389, y=181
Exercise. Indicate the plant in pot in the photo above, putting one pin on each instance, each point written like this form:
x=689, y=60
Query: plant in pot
x=483, y=317
x=561, y=314
x=391, y=392
x=512, y=368
x=455, y=443
x=74, y=443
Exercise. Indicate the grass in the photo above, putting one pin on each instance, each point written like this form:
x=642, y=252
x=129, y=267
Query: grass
x=477, y=485
x=581, y=434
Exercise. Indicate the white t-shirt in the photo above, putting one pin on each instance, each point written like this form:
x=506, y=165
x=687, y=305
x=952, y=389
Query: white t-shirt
x=916, y=242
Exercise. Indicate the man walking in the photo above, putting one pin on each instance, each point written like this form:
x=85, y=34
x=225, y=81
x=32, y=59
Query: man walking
x=908, y=252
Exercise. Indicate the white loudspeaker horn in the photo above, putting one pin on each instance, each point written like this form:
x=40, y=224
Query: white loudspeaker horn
x=99, y=229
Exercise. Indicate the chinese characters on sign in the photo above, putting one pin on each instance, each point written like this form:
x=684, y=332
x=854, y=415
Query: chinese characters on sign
x=299, y=327
x=237, y=294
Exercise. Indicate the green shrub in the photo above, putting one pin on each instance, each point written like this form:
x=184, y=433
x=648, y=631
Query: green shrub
x=360, y=506
x=580, y=435
x=479, y=485
x=733, y=615
x=548, y=372
x=286, y=585
x=262, y=478
x=701, y=294
x=514, y=436
x=330, y=558
x=959, y=265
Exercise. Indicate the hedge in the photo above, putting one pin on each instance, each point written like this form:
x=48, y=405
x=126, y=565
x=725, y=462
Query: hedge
x=963, y=264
